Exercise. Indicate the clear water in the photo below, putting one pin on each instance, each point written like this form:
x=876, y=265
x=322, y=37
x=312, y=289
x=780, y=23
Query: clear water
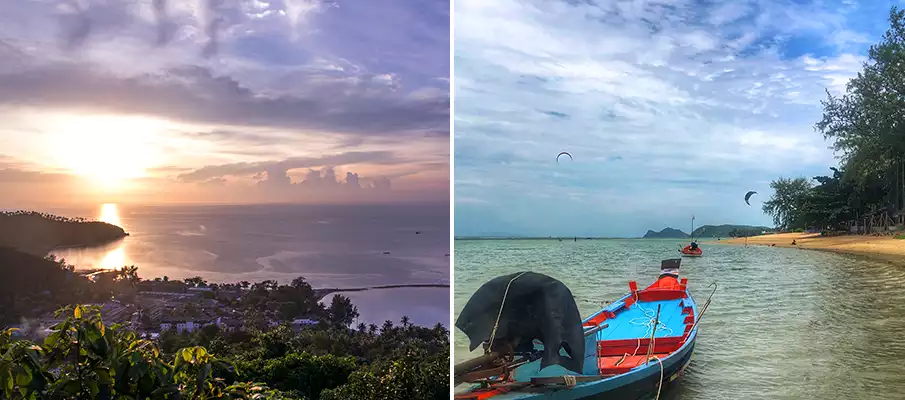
x=784, y=323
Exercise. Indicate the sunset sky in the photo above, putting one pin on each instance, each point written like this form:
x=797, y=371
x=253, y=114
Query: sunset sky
x=236, y=102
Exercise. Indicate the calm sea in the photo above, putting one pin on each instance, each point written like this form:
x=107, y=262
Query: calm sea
x=331, y=246
x=784, y=323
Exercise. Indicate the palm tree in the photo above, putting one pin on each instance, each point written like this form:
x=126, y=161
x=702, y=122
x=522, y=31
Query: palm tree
x=405, y=321
x=387, y=326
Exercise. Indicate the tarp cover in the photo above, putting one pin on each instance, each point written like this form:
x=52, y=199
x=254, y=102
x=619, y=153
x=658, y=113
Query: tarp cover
x=537, y=307
x=670, y=267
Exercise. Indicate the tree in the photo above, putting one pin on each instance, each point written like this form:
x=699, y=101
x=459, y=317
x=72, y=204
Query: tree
x=342, y=311
x=129, y=274
x=785, y=205
x=828, y=205
x=196, y=281
x=84, y=359
x=867, y=123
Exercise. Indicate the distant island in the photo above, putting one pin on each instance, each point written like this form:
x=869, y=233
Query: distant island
x=726, y=230
x=666, y=233
x=39, y=233
x=710, y=231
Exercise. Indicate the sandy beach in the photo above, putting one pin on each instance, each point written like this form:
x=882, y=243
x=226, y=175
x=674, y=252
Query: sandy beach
x=885, y=248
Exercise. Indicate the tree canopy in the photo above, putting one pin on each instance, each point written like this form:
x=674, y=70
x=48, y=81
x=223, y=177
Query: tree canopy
x=866, y=126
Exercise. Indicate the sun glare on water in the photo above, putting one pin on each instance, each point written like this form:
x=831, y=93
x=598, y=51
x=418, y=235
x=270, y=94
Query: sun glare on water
x=109, y=151
x=110, y=214
x=115, y=258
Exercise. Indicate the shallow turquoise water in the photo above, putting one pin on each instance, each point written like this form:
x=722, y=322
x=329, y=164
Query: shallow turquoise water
x=784, y=323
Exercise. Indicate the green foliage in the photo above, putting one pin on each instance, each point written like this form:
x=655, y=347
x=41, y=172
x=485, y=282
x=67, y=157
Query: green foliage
x=403, y=379
x=33, y=285
x=716, y=231
x=84, y=359
x=37, y=233
x=865, y=125
x=269, y=299
x=302, y=374
x=342, y=311
x=786, y=203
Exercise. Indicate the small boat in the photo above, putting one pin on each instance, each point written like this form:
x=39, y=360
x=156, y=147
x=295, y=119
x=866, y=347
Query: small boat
x=630, y=349
x=687, y=251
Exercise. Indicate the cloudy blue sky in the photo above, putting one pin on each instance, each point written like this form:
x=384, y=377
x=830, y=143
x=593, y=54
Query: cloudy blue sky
x=670, y=108
x=224, y=100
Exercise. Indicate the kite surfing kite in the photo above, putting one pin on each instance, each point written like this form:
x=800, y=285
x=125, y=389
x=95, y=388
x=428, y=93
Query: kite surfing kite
x=558, y=155
x=748, y=196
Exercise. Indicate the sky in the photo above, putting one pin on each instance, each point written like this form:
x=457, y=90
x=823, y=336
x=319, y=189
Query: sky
x=670, y=109
x=232, y=101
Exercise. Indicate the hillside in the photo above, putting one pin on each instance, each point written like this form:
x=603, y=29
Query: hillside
x=726, y=230
x=38, y=233
x=33, y=285
x=666, y=233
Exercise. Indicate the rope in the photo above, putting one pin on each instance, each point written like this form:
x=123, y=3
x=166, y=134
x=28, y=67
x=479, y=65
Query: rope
x=570, y=380
x=661, y=375
x=649, y=322
x=500, y=314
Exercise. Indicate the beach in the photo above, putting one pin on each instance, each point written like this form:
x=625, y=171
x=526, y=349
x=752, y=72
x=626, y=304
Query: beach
x=885, y=248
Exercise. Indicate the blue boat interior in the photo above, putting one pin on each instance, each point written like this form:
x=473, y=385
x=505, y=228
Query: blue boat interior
x=629, y=322
x=623, y=336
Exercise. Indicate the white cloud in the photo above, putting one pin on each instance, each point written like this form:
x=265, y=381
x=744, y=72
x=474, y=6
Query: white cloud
x=692, y=99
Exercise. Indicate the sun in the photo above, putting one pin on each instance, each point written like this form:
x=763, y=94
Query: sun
x=110, y=151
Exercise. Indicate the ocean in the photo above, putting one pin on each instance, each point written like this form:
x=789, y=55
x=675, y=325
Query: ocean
x=335, y=246
x=784, y=323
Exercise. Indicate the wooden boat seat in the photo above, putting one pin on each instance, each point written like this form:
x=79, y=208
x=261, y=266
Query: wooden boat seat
x=618, y=347
x=607, y=365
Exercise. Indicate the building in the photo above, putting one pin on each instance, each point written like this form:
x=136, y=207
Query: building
x=301, y=323
x=161, y=287
x=181, y=325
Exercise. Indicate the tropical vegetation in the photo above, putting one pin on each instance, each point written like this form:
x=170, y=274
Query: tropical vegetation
x=83, y=358
x=865, y=127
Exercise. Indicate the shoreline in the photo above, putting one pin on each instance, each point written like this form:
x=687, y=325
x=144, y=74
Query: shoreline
x=878, y=248
x=322, y=293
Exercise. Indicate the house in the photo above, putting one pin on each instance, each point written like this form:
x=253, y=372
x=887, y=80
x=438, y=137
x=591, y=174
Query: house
x=301, y=323
x=163, y=287
x=229, y=324
x=182, y=325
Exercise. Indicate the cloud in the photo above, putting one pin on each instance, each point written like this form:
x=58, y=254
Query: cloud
x=194, y=94
x=281, y=167
x=669, y=108
x=359, y=86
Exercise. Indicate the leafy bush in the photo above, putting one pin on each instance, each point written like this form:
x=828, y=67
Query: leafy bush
x=84, y=359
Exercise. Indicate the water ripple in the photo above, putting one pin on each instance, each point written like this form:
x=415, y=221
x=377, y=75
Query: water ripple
x=785, y=323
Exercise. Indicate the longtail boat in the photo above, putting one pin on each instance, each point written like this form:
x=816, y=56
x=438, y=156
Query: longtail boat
x=536, y=346
x=687, y=251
